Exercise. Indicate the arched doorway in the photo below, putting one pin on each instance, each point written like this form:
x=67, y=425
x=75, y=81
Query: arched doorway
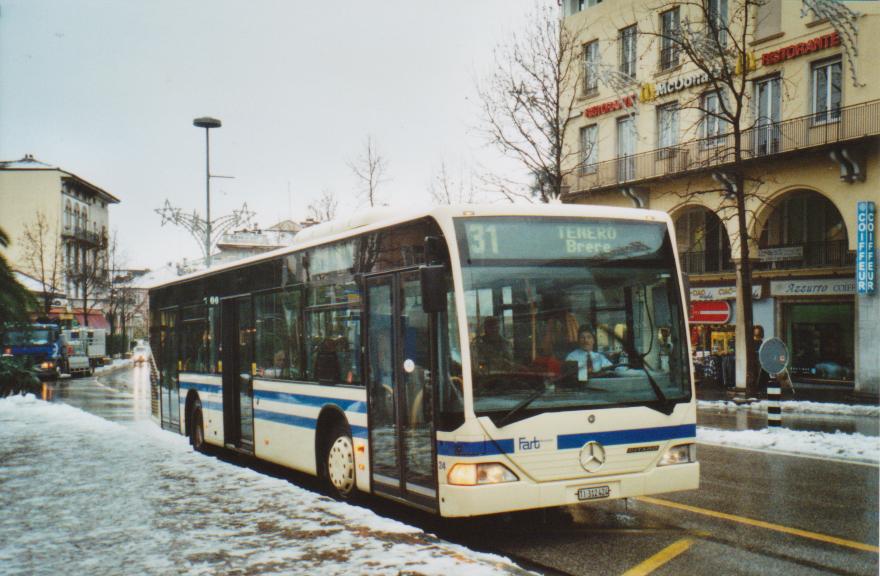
x=804, y=230
x=816, y=310
x=702, y=241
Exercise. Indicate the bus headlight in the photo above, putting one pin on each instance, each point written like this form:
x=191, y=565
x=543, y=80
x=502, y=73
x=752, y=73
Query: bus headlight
x=474, y=474
x=681, y=454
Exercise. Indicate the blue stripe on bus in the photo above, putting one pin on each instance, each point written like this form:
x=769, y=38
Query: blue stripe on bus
x=567, y=441
x=481, y=448
x=357, y=406
x=210, y=388
x=638, y=436
x=303, y=422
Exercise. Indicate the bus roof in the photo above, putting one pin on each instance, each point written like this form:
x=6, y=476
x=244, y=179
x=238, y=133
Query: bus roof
x=377, y=218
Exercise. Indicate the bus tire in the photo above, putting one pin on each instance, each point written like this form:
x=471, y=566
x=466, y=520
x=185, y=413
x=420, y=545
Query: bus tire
x=339, y=466
x=197, y=429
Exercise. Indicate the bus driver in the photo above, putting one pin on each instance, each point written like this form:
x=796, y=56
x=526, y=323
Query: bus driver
x=589, y=362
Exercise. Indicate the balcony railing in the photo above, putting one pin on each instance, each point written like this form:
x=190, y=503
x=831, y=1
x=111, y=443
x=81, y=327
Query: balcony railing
x=83, y=234
x=771, y=138
x=705, y=262
x=829, y=254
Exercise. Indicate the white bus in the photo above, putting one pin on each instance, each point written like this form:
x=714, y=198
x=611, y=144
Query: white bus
x=465, y=360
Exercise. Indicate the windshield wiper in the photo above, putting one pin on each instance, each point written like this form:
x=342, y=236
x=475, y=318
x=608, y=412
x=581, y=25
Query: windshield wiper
x=663, y=404
x=523, y=404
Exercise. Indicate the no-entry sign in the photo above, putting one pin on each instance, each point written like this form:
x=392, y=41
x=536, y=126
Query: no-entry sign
x=710, y=312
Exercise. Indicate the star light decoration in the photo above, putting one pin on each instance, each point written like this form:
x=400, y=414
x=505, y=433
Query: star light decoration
x=196, y=225
x=844, y=20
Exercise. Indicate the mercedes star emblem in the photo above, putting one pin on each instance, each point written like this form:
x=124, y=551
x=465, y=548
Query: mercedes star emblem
x=592, y=456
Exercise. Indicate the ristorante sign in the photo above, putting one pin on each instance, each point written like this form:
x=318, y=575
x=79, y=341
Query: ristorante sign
x=611, y=106
x=801, y=48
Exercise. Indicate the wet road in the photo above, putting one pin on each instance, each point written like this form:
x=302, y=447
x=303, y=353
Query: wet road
x=756, y=513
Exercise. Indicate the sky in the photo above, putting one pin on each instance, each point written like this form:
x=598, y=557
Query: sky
x=108, y=90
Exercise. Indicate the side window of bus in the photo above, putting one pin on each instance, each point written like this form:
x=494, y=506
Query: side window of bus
x=450, y=410
x=193, y=339
x=278, y=334
x=332, y=332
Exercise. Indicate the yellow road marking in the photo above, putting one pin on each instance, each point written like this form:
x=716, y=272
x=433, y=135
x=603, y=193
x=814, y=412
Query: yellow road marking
x=762, y=524
x=660, y=558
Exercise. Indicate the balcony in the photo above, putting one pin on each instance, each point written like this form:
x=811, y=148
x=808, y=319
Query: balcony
x=83, y=235
x=705, y=262
x=767, y=140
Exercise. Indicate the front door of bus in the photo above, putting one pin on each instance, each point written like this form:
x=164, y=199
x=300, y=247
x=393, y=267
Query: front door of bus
x=238, y=386
x=168, y=362
x=400, y=389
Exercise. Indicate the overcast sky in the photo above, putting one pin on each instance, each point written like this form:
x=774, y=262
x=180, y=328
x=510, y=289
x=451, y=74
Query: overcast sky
x=108, y=90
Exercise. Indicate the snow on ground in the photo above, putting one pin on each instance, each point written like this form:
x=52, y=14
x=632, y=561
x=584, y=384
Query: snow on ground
x=794, y=406
x=82, y=495
x=853, y=447
x=114, y=365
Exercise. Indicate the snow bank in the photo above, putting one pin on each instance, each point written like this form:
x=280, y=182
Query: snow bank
x=82, y=495
x=853, y=447
x=793, y=406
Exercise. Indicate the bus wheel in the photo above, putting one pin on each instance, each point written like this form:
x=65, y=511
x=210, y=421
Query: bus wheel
x=340, y=463
x=197, y=430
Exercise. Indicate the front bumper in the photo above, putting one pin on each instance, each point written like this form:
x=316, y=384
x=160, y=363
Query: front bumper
x=523, y=495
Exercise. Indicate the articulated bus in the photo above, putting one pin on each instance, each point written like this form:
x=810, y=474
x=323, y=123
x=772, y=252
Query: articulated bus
x=465, y=360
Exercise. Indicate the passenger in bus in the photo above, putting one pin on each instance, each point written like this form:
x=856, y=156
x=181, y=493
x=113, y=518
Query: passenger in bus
x=493, y=351
x=589, y=362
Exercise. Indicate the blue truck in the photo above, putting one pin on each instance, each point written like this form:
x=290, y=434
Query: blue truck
x=41, y=347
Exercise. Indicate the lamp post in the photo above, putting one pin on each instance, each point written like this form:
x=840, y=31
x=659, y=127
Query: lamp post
x=207, y=123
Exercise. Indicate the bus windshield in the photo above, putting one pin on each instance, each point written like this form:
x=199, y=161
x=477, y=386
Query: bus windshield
x=571, y=313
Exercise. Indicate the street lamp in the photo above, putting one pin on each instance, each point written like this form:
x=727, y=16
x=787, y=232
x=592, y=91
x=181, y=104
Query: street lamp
x=207, y=123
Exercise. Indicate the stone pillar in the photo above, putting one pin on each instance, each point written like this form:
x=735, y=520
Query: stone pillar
x=867, y=365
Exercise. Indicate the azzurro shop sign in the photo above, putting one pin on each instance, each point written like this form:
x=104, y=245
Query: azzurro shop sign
x=865, y=248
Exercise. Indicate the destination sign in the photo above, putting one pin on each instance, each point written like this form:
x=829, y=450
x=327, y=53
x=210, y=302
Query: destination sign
x=552, y=239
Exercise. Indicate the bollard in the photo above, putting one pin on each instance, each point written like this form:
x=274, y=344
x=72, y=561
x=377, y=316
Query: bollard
x=774, y=409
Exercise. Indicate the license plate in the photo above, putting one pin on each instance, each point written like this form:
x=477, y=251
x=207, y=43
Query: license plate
x=594, y=492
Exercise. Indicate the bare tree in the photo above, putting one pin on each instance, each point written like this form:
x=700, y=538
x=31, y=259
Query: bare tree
x=446, y=189
x=527, y=107
x=42, y=259
x=716, y=43
x=120, y=292
x=324, y=208
x=91, y=277
x=370, y=169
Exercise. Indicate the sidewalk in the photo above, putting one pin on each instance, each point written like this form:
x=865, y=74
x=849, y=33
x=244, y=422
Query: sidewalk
x=803, y=391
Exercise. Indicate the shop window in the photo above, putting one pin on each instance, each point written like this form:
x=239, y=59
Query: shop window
x=822, y=340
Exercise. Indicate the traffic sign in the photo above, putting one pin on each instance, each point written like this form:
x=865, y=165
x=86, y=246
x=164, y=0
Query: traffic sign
x=773, y=356
x=710, y=312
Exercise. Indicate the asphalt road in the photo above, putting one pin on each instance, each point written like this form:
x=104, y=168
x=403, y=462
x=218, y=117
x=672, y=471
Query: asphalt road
x=755, y=513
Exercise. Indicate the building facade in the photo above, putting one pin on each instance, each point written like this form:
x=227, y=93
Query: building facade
x=652, y=133
x=77, y=216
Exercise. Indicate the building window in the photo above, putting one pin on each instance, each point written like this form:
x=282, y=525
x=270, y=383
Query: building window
x=591, y=60
x=826, y=91
x=626, y=148
x=712, y=122
x=667, y=125
x=767, y=132
x=627, y=41
x=575, y=6
x=589, y=149
x=716, y=13
x=668, y=43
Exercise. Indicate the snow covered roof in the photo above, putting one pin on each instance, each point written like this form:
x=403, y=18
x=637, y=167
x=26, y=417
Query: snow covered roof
x=31, y=163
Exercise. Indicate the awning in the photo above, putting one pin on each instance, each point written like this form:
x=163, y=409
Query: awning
x=96, y=320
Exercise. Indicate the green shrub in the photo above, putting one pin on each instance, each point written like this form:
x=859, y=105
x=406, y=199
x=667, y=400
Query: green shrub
x=16, y=378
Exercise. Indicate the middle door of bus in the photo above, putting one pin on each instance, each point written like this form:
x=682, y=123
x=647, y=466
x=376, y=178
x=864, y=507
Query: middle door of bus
x=399, y=385
x=237, y=324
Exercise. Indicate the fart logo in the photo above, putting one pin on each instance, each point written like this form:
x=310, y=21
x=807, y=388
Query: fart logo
x=532, y=444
